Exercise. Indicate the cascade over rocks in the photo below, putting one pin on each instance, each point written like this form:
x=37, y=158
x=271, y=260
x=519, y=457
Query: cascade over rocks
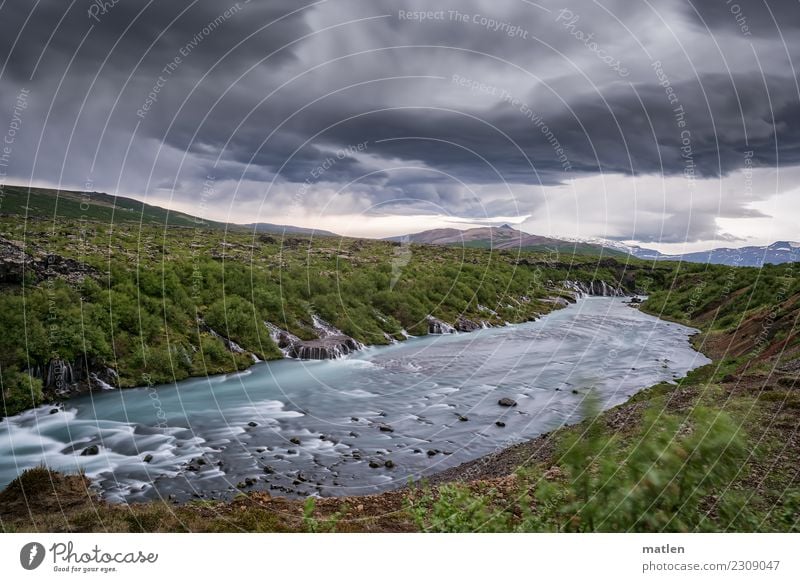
x=330, y=345
x=64, y=377
x=439, y=327
x=231, y=345
x=593, y=289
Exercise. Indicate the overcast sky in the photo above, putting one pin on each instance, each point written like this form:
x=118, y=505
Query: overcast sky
x=673, y=123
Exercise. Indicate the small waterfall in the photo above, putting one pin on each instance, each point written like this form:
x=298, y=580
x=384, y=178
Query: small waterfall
x=332, y=343
x=330, y=348
x=439, y=327
x=100, y=383
x=593, y=289
x=229, y=343
x=64, y=377
x=323, y=328
x=60, y=375
x=283, y=339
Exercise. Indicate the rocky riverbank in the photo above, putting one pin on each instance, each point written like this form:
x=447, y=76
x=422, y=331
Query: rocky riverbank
x=62, y=379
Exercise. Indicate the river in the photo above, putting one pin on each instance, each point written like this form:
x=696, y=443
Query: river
x=358, y=425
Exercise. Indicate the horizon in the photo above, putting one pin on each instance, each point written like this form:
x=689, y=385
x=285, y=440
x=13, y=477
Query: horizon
x=362, y=118
x=358, y=230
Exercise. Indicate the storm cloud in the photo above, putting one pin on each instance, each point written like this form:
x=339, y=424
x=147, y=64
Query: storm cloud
x=464, y=108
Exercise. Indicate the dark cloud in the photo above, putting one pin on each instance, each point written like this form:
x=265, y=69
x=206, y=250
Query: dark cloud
x=749, y=18
x=159, y=95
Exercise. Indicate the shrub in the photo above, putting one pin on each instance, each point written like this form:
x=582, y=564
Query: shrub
x=19, y=390
x=677, y=476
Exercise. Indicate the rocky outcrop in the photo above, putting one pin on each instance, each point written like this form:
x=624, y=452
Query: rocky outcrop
x=63, y=378
x=282, y=338
x=16, y=264
x=439, y=327
x=593, y=289
x=330, y=345
x=464, y=324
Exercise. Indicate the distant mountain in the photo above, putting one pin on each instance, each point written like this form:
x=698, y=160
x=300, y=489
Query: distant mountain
x=288, y=229
x=507, y=237
x=776, y=253
x=503, y=237
x=752, y=256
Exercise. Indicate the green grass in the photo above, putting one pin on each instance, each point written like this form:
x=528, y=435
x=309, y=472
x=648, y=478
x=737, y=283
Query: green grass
x=47, y=204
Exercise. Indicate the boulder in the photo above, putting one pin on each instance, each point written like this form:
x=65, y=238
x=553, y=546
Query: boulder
x=464, y=324
x=507, y=402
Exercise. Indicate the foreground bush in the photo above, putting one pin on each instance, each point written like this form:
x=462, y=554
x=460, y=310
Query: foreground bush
x=677, y=475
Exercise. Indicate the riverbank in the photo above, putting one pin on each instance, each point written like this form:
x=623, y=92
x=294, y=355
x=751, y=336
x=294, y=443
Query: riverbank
x=752, y=385
x=359, y=425
x=772, y=474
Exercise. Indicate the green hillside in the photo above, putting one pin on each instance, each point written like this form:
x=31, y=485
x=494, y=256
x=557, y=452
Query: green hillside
x=44, y=203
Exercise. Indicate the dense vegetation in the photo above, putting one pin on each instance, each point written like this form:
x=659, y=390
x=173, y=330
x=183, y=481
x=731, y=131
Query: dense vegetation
x=146, y=298
x=723, y=297
x=717, y=452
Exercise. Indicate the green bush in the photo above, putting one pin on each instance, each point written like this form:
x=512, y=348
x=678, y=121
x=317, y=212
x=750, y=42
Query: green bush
x=19, y=390
x=678, y=476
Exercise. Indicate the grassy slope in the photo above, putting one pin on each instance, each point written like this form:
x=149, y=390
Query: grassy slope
x=43, y=203
x=564, y=248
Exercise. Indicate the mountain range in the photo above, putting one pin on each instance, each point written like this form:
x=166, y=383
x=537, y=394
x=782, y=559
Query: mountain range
x=47, y=203
x=507, y=237
x=750, y=256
